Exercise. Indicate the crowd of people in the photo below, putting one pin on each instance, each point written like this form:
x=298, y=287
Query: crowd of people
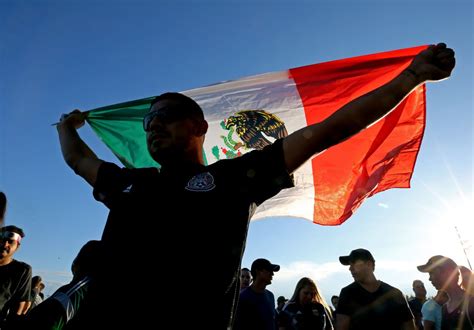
x=142, y=202
x=367, y=303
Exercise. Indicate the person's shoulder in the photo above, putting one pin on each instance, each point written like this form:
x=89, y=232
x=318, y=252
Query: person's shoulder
x=388, y=287
x=350, y=287
x=21, y=265
x=269, y=293
x=290, y=307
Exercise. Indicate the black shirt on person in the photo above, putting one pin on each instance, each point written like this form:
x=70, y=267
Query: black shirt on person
x=188, y=223
x=386, y=308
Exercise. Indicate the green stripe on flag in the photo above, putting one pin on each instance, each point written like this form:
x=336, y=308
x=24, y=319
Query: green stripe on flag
x=112, y=123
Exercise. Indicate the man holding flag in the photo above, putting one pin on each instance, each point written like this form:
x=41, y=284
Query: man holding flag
x=176, y=216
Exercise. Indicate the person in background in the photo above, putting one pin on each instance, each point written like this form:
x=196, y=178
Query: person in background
x=417, y=302
x=306, y=309
x=281, y=301
x=368, y=303
x=458, y=312
x=431, y=311
x=245, y=278
x=256, y=308
x=467, y=279
x=64, y=308
x=175, y=130
x=15, y=279
x=334, y=301
x=36, y=298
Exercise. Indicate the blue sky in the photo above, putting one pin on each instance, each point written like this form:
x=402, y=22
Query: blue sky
x=56, y=56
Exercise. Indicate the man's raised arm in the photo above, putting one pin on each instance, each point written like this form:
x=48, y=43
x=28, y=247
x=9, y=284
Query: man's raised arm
x=432, y=64
x=76, y=153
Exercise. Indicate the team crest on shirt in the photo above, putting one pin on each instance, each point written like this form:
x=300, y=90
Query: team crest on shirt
x=201, y=182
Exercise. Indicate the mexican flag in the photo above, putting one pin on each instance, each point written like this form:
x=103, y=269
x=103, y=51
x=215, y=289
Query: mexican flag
x=249, y=113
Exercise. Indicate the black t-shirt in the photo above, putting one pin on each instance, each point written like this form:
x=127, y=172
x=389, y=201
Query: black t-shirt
x=190, y=224
x=385, y=308
x=461, y=318
x=15, y=285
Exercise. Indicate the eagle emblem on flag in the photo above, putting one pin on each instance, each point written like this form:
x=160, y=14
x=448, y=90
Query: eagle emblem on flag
x=254, y=126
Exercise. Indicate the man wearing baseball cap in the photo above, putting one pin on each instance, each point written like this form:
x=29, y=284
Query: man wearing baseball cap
x=15, y=278
x=369, y=303
x=458, y=312
x=256, y=308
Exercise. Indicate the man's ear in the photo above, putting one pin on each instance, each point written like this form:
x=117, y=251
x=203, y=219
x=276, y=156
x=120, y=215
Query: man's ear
x=201, y=128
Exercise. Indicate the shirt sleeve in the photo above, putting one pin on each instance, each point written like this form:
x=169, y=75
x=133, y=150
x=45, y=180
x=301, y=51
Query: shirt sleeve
x=404, y=311
x=427, y=310
x=111, y=181
x=343, y=306
x=262, y=173
x=24, y=286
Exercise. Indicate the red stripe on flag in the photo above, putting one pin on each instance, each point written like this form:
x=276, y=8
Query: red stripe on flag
x=379, y=158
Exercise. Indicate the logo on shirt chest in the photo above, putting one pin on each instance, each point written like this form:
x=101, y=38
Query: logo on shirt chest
x=201, y=182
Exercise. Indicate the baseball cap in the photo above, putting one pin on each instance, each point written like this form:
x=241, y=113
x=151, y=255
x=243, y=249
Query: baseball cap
x=264, y=264
x=358, y=254
x=437, y=261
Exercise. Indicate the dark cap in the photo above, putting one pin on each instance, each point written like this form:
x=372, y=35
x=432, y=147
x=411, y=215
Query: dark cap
x=281, y=299
x=264, y=264
x=437, y=261
x=358, y=254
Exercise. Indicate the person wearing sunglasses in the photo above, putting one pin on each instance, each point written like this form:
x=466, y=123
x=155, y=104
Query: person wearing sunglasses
x=186, y=216
x=15, y=279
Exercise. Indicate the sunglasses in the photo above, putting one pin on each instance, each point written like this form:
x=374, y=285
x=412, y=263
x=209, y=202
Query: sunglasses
x=165, y=115
x=9, y=237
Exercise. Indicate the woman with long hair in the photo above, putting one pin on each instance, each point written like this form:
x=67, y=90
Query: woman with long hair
x=306, y=310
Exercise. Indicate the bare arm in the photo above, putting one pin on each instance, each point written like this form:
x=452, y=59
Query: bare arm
x=434, y=63
x=23, y=307
x=76, y=153
x=342, y=322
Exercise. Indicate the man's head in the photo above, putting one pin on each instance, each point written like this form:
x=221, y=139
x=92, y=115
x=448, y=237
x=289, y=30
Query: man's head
x=262, y=270
x=281, y=301
x=444, y=272
x=36, y=282
x=419, y=289
x=175, y=128
x=88, y=260
x=10, y=238
x=361, y=264
x=244, y=278
x=335, y=301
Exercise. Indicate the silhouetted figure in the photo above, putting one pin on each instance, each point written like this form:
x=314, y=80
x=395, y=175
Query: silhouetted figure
x=15, y=279
x=306, y=310
x=368, y=303
x=64, y=308
x=256, y=309
x=417, y=302
x=203, y=232
x=458, y=312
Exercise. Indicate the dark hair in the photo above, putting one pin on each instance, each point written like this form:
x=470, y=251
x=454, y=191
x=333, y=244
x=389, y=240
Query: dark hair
x=88, y=259
x=14, y=229
x=245, y=269
x=189, y=105
x=35, y=280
